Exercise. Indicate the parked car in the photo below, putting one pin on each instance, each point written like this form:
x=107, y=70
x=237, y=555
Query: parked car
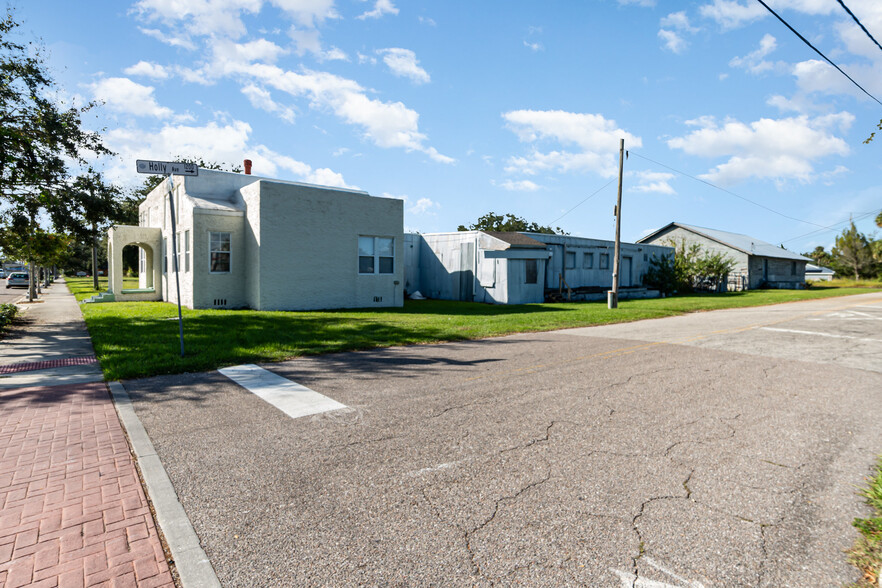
x=2, y=274
x=17, y=280
x=82, y=274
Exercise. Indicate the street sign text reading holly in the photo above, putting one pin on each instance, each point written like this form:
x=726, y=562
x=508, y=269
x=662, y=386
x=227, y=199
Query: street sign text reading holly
x=167, y=168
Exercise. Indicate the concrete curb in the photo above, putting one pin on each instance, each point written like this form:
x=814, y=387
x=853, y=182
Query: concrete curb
x=194, y=568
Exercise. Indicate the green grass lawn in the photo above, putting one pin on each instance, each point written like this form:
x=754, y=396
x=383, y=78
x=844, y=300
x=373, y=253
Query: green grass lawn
x=138, y=339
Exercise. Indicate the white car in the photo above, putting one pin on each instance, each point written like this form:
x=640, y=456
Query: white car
x=17, y=280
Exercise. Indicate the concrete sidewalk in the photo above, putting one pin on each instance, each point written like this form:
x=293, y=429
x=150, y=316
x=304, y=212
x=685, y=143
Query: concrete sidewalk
x=72, y=509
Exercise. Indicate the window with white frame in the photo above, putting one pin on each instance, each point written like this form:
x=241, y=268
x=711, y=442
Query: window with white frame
x=570, y=260
x=186, y=251
x=604, y=261
x=219, y=252
x=588, y=260
x=376, y=255
x=179, y=266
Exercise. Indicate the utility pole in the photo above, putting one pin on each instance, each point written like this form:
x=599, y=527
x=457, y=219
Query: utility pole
x=612, y=300
x=171, y=204
x=95, y=256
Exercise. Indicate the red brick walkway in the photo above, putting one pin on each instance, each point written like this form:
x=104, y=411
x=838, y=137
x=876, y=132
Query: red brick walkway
x=72, y=510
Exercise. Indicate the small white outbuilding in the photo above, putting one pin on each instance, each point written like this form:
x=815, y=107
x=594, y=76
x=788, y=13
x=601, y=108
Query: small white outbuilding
x=250, y=242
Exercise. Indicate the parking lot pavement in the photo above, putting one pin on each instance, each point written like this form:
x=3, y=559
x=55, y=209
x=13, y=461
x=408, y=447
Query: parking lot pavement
x=537, y=459
x=845, y=331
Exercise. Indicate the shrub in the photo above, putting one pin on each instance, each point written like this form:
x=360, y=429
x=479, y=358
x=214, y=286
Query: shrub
x=7, y=313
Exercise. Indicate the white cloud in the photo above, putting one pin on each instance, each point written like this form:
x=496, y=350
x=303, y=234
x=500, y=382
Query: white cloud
x=596, y=140
x=673, y=42
x=818, y=76
x=403, y=63
x=755, y=62
x=147, y=70
x=219, y=22
x=424, y=206
x=308, y=13
x=534, y=46
x=125, y=96
x=520, y=186
x=730, y=14
x=427, y=21
x=777, y=149
x=679, y=21
x=217, y=18
x=362, y=58
x=309, y=41
x=262, y=99
x=657, y=182
x=381, y=7
x=222, y=142
x=171, y=40
x=387, y=124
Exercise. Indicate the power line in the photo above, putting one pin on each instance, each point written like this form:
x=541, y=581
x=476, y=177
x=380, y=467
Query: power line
x=593, y=194
x=804, y=40
x=861, y=216
x=787, y=216
x=859, y=23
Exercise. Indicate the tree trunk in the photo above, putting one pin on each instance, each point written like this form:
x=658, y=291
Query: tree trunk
x=32, y=293
x=95, y=257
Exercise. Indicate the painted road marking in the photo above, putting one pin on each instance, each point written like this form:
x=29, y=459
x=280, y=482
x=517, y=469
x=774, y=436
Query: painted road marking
x=630, y=580
x=820, y=334
x=290, y=397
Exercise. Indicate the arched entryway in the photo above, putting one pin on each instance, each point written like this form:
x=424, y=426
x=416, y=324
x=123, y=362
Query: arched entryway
x=148, y=240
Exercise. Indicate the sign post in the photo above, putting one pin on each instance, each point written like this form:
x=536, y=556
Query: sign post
x=167, y=168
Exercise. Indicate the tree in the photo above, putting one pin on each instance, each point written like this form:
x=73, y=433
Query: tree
x=820, y=256
x=879, y=220
x=37, y=138
x=86, y=208
x=853, y=251
x=690, y=268
x=509, y=223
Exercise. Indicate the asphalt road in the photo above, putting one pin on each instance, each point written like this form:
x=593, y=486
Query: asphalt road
x=715, y=449
x=12, y=294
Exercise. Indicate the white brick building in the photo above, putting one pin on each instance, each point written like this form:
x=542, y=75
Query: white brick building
x=251, y=242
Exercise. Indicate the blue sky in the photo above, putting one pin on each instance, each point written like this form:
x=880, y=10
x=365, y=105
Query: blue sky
x=461, y=108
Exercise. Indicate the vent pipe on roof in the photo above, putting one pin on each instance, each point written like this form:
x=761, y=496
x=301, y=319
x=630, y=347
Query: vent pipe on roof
x=247, y=167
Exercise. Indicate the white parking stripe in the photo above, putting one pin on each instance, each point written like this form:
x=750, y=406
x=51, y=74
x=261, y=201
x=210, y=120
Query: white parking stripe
x=290, y=397
x=819, y=334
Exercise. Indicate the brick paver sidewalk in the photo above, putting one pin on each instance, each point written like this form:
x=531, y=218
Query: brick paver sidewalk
x=72, y=510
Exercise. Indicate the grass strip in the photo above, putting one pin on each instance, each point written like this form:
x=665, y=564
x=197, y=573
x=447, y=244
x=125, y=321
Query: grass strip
x=139, y=339
x=866, y=554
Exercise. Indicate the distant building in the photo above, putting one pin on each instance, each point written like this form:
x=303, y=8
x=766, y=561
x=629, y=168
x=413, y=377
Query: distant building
x=757, y=263
x=519, y=268
x=266, y=244
x=816, y=273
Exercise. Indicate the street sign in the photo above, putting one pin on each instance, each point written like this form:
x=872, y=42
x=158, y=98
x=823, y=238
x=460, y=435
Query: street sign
x=167, y=168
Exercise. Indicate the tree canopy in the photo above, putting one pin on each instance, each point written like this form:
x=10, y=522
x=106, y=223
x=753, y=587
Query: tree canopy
x=509, y=223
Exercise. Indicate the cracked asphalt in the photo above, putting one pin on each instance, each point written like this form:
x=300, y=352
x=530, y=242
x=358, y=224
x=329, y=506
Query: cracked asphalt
x=714, y=449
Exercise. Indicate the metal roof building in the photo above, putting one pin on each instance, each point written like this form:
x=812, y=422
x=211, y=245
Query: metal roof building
x=760, y=263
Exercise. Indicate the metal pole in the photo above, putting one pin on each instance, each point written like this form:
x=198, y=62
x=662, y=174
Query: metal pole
x=171, y=202
x=613, y=296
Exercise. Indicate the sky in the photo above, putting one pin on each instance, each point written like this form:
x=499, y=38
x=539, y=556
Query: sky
x=461, y=108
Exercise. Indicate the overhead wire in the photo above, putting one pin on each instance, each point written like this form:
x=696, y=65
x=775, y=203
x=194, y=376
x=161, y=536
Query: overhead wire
x=816, y=50
x=859, y=23
x=593, y=194
x=860, y=216
x=787, y=216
